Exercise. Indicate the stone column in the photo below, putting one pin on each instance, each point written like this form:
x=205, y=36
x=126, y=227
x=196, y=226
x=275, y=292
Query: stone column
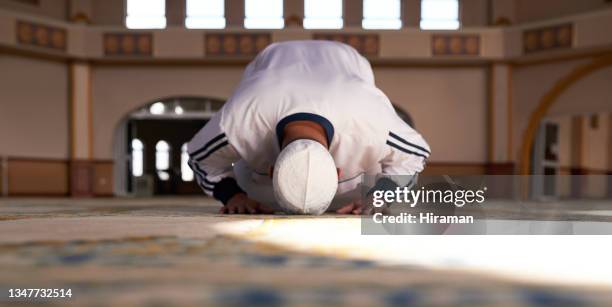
x=411, y=13
x=293, y=12
x=576, y=155
x=81, y=130
x=501, y=113
x=234, y=13
x=176, y=11
x=352, y=13
x=609, y=155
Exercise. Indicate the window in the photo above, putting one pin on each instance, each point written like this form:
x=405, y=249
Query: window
x=162, y=160
x=146, y=14
x=157, y=108
x=381, y=14
x=323, y=14
x=186, y=172
x=263, y=14
x=205, y=14
x=440, y=14
x=137, y=158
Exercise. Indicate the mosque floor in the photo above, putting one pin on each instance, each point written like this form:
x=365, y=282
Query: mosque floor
x=180, y=251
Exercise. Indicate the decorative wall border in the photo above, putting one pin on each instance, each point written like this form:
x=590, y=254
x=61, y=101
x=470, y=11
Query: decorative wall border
x=235, y=44
x=367, y=44
x=455, y=44
x=39, y=35
x=548, y=38
x=128, y=44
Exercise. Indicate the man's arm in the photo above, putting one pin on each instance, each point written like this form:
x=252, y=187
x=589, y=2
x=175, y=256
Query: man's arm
x=406, y=155
x=211, y=158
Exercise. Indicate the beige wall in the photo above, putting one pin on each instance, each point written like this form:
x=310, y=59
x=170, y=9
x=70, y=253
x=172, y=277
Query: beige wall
x=457, y=134
x=591, y=94
x=33, y=108
x=595, y=143
x=474, y=13
x=108, y=12
x=448, y=106
x=530, y=10
x=117, y=90
x=38, y=177
x=530, y=83
x=57, y=9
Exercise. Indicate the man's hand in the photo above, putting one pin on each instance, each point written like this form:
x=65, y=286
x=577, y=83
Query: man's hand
x=242, y=204
x=358, y=208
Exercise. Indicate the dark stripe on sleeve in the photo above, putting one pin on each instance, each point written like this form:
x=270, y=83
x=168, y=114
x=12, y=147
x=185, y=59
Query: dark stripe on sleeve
x=212, y=150
x=208, y=144
x=405, y=150
x=198, y=169
x=201, y=177
x=397, y=137
x=203, y=185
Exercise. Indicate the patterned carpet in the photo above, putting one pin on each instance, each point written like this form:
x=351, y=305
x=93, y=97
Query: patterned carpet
x=161, y=252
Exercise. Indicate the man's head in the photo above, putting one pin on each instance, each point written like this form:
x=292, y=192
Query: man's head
x=304, y=176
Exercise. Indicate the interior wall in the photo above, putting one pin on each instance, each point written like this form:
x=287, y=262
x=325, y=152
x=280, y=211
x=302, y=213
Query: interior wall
x=118, y=90
x=474, y=13
x=108, y=12
x=57, y=9
x=448, y=106
x=591, y=98
x=421, y=91
x=595, y=142
x=529, y=10
x=33, y=108
x=529, y=85
x=38, y=177
x=589, y=95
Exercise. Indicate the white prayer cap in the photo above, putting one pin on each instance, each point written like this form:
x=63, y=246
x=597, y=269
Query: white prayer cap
x=305, y=178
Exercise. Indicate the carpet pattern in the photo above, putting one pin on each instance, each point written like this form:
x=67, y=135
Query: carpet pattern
x=161, y=252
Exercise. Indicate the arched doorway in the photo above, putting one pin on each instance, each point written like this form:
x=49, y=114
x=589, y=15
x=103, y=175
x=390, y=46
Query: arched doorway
x=150, y=146
x=540, y=152
x=547, y=101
